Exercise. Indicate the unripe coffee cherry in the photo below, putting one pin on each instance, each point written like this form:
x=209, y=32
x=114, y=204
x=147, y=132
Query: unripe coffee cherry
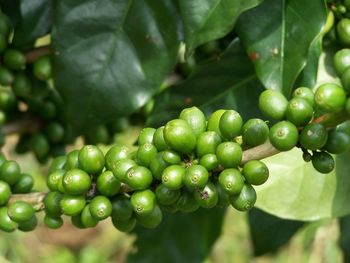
x=283, y=135
x=179, y=135
x=195, y=118
x=330, y=98
x=273, y=104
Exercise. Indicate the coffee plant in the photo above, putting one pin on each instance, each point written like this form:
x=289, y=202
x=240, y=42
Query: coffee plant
x=241, y=104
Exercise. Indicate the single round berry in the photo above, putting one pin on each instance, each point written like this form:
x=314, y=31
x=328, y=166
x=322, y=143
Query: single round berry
x=150, y=220
x=10, y=172
x=214, y=120
x=230, y=124
x=313, y=136
x=343, y=30
x=341, y=60
x=53, y=222
x=52, y=202
x=143, y=202
x=229, y=154
x=299, y=112
x=100, y=207
x=173, y=177
x=72, y=160
x=195, y=177
x=107, y=184
x=245, y=200
x=6, y=223
x=121, y=208
x=20, y=211
x=165, y=196
x=284, y=135
x=171, y=157
x=115, y=154
x=138, y=177
x=54, y=178
x=5, y=193
x=255, y=172
x=231, y=181
x=255, y=132
x=8, y=101
x=28, y=225
x=55, y=132
x=76, y=182
x=207, y=143
x=209, y=161
x=42, y=68
x=330, y=98
x=179, y=135
x=145, y=154
x=91, y=159
x=146, y=136
x=6, y=77
x=40, y=145
x=24, y=184
x=158, y=139
x=121, y=167
x=86, y=218
x=273, y=104
x=304, y=93
x=207, y=197
x=72, y=205
x=14, y=59
x=186, y=203
x=337, y=142
x=124, y=225
x=21, y=85
x=323, y=162
x=195, y=118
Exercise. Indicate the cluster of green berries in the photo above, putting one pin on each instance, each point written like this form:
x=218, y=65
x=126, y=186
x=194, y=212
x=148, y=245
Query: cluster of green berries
x=26, y=91
x=16, y=214
x=186, y=164
x=298, y=124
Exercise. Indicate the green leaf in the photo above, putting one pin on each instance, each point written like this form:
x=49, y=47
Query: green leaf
x=268, y=233
x=181, y=237
x=218, y=83
x=113, y=55
x=35, y=21
x=206, y=20
x=344, y=240
x=308, y=77
x=296, y=191
x=277, y=36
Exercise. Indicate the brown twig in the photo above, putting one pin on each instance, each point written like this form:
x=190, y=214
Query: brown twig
x=34, y=54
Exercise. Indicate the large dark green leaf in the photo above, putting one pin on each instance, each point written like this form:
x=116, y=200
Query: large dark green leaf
x=180, y=238
x=277, y=35
x=35, y=21
x=296, y=191
x=268, y=232
x=228, y=81
x=112, y=55
x=206, y=20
